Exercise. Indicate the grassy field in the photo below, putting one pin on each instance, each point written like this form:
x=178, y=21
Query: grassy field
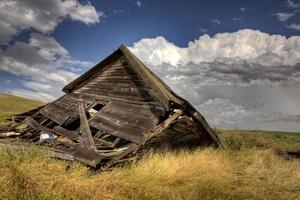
x=10, y=105
x=250, y=166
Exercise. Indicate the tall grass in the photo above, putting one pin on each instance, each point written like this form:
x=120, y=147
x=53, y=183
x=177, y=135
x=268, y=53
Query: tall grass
x=200, y=174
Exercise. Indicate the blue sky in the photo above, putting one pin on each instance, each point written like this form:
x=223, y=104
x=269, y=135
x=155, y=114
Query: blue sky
x=236, y=61
x=179, y=21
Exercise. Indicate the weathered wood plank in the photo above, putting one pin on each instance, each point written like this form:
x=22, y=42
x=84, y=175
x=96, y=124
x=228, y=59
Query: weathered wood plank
x=118, y=129
x=73, y=135
x=129, y=115
x=130, y=149
x=93, y=97
x=165, y=124
x=149, y=111
x=36, y=126
x=115, y=142
x=104, y=64
x=58, y=117
x=86, y=150
x=56, y=130
x=86, y=139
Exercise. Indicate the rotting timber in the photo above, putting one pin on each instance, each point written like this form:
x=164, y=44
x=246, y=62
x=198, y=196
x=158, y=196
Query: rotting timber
x=115, y=110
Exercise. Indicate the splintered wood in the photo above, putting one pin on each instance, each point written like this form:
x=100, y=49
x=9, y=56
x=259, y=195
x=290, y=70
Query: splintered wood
x=111, y=113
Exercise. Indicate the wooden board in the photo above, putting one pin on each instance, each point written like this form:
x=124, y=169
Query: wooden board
x=118, y=129
x=118, y=80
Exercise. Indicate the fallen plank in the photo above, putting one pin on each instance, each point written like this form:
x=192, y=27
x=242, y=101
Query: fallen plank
x=86, y=150
x=9, y=134
x=165, y=124
x=73, y=135
x=132, y=148
x=86, y=139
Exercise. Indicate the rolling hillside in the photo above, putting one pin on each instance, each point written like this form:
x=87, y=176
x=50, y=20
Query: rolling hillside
x=10, y=105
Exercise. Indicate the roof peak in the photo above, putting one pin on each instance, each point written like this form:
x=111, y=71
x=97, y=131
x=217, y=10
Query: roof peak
x=163, y=92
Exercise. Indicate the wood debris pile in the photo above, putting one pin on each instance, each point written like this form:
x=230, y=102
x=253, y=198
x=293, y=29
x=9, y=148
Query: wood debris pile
x=115, y=110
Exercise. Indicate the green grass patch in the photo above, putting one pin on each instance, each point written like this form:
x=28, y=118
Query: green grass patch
x=240, y=139
x=11, y=105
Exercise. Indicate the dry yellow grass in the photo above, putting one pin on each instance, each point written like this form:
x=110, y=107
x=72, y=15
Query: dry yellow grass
x=199, y=174
x=247, y=168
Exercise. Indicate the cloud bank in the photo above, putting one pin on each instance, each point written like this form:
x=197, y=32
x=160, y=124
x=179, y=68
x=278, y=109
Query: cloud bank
x=46, y=65
x=222, y=74
x=244, y=57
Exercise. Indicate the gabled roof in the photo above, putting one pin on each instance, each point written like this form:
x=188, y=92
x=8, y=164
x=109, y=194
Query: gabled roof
x=162, y=92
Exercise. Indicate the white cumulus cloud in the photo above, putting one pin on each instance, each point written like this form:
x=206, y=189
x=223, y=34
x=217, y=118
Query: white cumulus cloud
x=235, y=79
x=247, y=44
x=42, y=15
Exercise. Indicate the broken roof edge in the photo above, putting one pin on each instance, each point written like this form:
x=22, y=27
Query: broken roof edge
x=89, y=73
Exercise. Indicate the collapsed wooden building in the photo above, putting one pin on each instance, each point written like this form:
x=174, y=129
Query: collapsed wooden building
x=112, y=112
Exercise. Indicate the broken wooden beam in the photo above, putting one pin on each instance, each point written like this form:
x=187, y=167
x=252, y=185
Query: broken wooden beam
x=86, y=150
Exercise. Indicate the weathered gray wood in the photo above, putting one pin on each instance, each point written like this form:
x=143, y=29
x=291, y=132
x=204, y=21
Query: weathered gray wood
x=165, y=124
x=65, y=141
x=163, y=92
x=115, y=142
x=130, y=149
x=118, y=129
x=136, y=104
x=56, y=130
x=129, y=114
x=145, y=110
x=98, y=134
x=9, y=134
x=35, y=125
x=86, y=150
x=86, y=138
x=54, y=115
x=96, y=97
x=73, y=135
x=77, y=83
x=103, y=142
x=206, y=128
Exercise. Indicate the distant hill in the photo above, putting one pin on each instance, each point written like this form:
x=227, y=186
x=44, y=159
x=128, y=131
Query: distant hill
x=10, y=105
